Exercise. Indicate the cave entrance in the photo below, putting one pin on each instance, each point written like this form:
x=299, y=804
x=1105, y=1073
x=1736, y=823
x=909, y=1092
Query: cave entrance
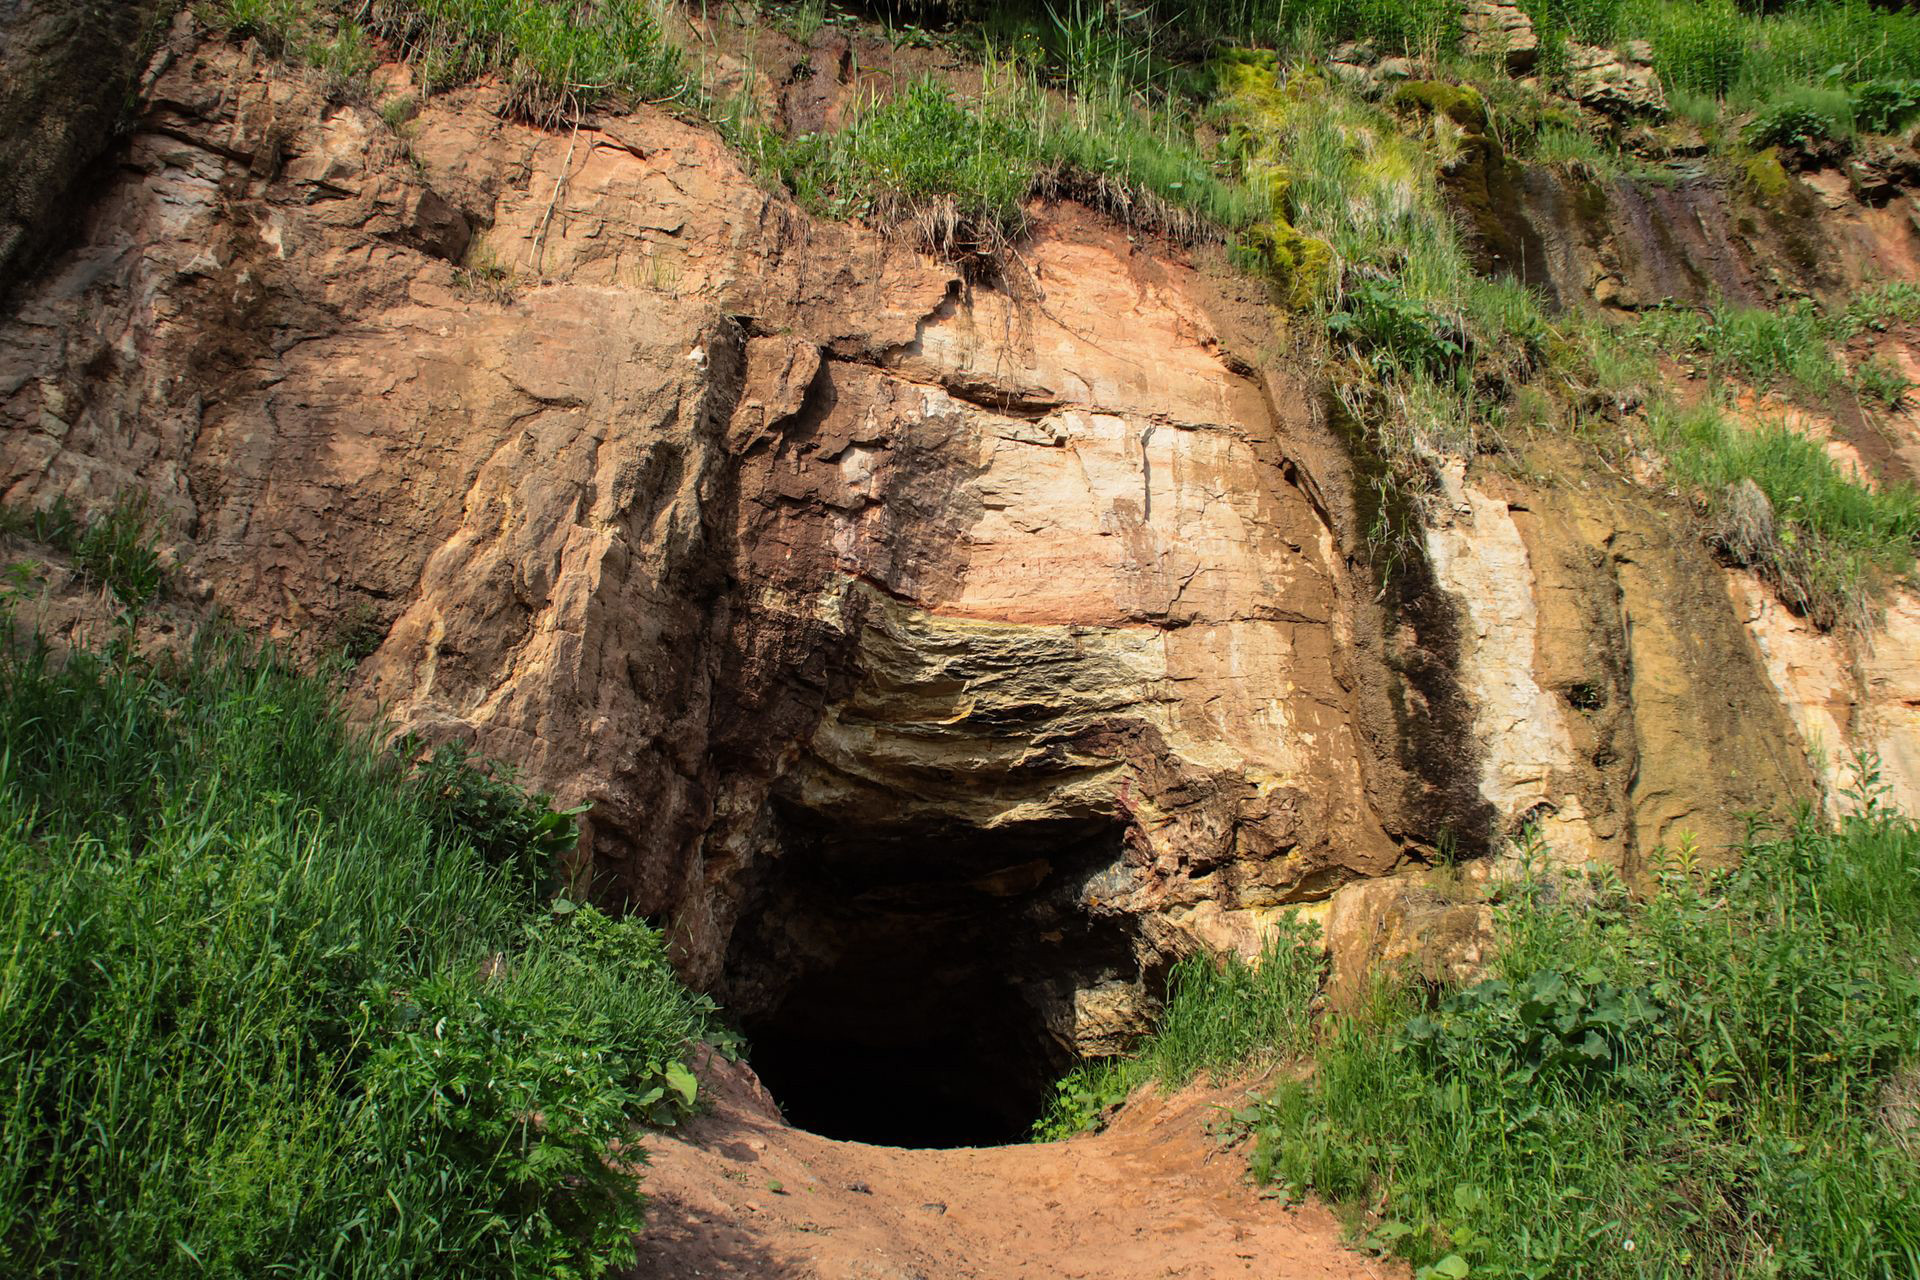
x=919, y=987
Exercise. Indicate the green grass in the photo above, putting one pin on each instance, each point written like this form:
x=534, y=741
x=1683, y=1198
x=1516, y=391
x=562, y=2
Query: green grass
x=1692, y=1082
x=275, y=1002
x=1222, y=1015
x=1880, y=308
x=1825, y=540
x=962, y=170
x=1785, y=347
x=114, y=550
x=558, y=58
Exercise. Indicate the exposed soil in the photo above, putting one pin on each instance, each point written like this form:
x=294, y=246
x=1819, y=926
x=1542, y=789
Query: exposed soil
x=738, y=1192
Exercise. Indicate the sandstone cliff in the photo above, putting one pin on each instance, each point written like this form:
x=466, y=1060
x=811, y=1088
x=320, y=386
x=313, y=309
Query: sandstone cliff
x=849, y=594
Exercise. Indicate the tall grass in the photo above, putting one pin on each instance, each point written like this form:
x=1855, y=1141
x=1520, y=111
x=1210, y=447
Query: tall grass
x=1722, y=48
x=963, y=170
x=273, y=1002
x=1691, y=1083
x=1310, y=26
x=1221, y=1014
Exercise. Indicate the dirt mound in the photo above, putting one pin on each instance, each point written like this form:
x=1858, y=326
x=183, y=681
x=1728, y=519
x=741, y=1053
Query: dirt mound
x=740, y=1193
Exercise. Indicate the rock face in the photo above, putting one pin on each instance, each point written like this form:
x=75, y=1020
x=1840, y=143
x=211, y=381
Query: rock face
x=1501, y=30
x=1614, y=82
x=1002, y=641
x=762, y=537
x=68, y=71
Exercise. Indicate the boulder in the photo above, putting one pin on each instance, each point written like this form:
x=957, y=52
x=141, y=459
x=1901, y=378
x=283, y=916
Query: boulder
x=1619, y=83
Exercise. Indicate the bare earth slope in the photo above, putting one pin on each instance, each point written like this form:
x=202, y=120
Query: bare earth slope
x=739, y=1193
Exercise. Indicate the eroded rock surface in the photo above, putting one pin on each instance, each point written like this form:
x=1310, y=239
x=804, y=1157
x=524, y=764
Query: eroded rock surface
x=855, y=601
x=747, y=531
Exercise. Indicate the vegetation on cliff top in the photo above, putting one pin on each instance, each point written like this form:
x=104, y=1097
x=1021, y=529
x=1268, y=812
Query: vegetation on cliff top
x=275, y=1000
x=1349, y=204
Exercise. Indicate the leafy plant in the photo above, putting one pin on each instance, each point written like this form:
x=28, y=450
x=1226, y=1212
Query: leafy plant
x=478, y=803
x=1795, y=122
x=1881, y=106
x=1380, y=322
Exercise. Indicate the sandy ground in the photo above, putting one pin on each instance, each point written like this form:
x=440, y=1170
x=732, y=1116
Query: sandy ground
x=738, y=1193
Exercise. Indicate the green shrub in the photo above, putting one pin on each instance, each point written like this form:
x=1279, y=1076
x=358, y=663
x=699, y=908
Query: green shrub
x=264, y=1010
x=477, y=802
x=1804, y=117
x=1682, y=1084
x=1881, y=106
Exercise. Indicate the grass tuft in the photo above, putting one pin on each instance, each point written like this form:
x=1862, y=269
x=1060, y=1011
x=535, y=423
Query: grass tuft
x=116, y=550
x=1222, y=1014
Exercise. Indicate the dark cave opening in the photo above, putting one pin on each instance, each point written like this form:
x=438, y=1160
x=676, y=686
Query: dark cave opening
x=916, y=987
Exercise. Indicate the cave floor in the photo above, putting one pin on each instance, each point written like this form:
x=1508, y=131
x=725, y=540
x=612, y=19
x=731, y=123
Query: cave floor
x=739, y=1193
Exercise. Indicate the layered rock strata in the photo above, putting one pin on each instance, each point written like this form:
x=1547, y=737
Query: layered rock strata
x=823, y=576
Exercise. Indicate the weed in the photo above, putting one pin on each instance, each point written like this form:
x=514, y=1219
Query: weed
x=1883, y=382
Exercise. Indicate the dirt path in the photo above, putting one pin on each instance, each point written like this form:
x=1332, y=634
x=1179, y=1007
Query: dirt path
x=738, y=1193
